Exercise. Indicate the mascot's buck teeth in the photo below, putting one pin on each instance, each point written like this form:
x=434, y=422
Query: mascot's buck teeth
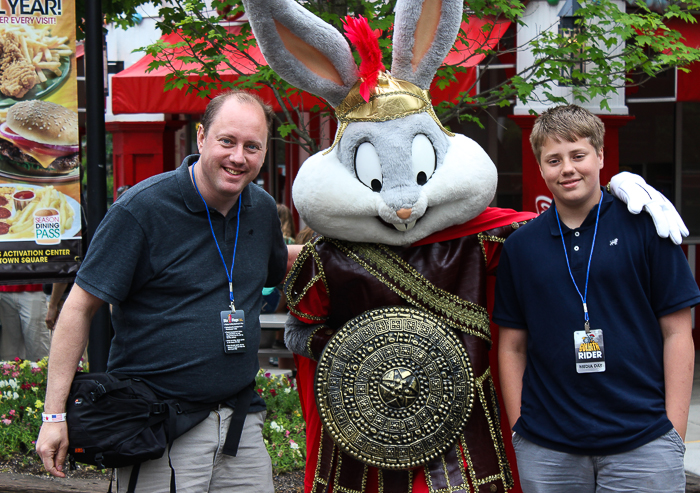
x=405, y=227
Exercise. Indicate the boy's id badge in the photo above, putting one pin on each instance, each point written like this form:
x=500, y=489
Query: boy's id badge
x=589, y=351
x=233, y=324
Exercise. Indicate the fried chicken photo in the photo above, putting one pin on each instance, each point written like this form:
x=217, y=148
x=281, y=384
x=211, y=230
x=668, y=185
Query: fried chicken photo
x=18, y=75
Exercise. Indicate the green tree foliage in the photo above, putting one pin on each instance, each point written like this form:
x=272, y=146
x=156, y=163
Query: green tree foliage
x=121, y=13
x=618, y=48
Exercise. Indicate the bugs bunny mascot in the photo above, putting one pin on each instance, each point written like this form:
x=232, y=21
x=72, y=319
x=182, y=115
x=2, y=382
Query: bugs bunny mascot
x=395, y=289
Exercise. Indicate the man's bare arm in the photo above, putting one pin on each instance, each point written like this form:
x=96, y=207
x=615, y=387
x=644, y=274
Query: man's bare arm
x=679, y=363
x=512, y=357
x=69, y=341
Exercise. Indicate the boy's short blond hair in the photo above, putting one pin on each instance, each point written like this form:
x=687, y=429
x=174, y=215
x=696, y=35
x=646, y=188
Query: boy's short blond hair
x=570, y=123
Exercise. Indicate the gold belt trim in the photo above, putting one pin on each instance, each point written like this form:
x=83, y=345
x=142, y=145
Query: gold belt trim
x=414, y=288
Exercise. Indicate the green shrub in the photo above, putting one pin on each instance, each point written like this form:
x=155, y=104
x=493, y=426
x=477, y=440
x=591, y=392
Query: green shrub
x=284, y=431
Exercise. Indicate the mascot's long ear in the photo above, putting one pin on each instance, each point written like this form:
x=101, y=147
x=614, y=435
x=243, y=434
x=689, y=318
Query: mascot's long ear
x=304, y=50
x=424, y=32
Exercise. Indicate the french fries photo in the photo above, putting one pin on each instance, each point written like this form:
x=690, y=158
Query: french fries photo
x=22, y=223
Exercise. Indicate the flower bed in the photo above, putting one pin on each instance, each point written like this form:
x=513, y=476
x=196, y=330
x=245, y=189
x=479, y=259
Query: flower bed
x=23, y=390
x=284, y=431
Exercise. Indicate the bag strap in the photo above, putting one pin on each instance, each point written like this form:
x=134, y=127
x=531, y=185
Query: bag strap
x=233, y=437
x=133, y=478
x=102, y=389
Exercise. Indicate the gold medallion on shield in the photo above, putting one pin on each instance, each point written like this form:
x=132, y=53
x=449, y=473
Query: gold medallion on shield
x=394, y=387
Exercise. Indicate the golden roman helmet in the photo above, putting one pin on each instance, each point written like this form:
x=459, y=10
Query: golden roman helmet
x=391, y=99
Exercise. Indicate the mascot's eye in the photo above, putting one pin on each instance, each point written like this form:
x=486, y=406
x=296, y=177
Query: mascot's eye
x=367, y=167
x=423, y=155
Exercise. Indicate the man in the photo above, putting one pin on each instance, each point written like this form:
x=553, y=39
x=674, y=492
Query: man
x=24, y=333
x=171, y=255
x=596, y=351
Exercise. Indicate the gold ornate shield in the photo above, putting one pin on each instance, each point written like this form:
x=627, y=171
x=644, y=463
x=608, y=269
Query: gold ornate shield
x=394, y=387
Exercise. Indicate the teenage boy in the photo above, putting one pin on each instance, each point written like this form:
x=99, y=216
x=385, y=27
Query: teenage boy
x=596, y=352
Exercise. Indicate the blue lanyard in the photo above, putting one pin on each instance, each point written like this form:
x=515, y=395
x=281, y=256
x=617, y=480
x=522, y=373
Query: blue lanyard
x=586, y=325
x=229, y=276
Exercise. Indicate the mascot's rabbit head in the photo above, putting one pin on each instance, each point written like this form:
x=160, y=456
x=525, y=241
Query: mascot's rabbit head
x=394, y=175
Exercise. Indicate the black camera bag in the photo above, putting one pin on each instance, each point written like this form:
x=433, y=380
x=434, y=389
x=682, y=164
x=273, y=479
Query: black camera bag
x=113, y=422
x=117, y=421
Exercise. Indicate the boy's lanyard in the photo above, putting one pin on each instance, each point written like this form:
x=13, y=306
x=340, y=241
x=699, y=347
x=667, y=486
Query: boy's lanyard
x=586, y=325
x=229, y=276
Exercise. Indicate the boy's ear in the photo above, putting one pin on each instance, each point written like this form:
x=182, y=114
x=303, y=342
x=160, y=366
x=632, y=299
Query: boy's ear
x=600, y=157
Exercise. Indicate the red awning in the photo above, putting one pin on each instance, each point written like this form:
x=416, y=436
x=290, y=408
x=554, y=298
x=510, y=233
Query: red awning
x=688, y=84
x=478, y=37
x=134, y=90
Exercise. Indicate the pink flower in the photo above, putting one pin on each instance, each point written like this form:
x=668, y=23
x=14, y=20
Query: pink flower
x=268, y=374
x=36, y=370
x=286, y=433
x=7, y=422
x=12, y=412
x=15, y=374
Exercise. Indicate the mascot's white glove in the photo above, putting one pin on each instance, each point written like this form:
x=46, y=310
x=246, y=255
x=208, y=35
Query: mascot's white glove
x=638, y=195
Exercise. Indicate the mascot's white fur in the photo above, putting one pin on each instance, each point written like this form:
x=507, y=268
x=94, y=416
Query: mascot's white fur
x=394, y=175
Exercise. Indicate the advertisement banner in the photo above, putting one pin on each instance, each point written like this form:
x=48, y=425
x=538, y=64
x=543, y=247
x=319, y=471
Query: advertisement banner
x=40, y=215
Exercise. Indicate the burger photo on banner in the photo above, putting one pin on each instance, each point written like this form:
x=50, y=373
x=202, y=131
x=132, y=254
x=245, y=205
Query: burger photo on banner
x=40, y=226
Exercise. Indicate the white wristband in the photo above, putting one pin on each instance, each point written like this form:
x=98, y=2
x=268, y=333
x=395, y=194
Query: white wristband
x=53, y=418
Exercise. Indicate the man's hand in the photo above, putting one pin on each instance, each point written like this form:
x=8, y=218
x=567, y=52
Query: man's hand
x=52, y=447
x=292, y=254
x=55, y=304
x=638, y=195
x=51, y=316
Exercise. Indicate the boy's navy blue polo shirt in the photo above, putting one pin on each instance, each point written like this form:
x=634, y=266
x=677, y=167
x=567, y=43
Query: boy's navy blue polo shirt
x=635, y=278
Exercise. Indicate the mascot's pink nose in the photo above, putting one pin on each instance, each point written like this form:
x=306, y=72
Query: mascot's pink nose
x=403, y=213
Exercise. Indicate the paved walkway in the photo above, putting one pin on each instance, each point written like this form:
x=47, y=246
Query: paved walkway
x=19, y=483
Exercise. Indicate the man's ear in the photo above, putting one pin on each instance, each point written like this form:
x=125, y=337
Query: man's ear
x=600, y=157
x=200, y=137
